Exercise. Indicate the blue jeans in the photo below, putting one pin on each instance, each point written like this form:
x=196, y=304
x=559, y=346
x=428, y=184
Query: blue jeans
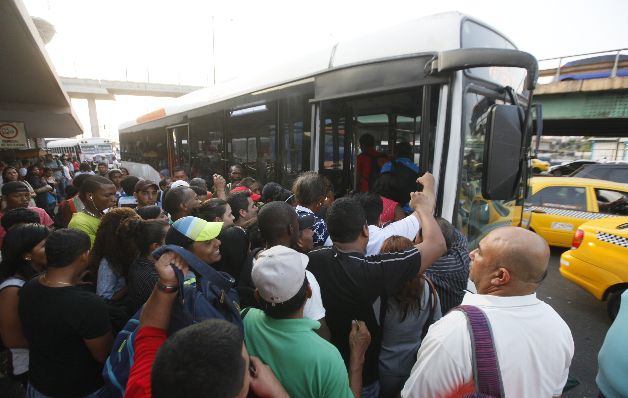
x=31, y=392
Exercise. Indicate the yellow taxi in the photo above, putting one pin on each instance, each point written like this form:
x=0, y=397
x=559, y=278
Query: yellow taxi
x=558, y=205
x=484, y=215
x=539, y=165
x=598, y=260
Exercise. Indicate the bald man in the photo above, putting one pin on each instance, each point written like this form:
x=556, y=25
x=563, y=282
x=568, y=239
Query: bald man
x=533, y=344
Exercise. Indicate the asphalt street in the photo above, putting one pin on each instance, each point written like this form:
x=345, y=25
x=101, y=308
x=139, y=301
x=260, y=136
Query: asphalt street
x=587, y=319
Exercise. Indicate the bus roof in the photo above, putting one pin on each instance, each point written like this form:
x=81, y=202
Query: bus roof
x=425, y=35
x=62, y=143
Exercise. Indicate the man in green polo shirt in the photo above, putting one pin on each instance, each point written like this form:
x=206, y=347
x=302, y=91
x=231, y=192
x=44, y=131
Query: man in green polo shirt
x=305, y=364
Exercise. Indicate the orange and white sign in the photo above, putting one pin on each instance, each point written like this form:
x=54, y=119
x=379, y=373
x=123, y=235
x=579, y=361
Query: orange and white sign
x=12, y=135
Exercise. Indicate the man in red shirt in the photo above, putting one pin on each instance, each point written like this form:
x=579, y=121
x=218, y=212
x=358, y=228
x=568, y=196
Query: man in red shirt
x=16, y=195
x=207, y=359
x=367, y=161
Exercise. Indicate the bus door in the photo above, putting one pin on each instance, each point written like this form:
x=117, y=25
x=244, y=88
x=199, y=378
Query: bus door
x=207, y=146
x=252, y=141
x=178, y=146
x=391, y=119
x=335, y=147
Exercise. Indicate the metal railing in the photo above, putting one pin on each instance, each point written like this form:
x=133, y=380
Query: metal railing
x=556, y=72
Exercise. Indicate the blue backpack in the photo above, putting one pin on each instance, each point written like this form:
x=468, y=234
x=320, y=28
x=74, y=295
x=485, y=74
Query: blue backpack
x=212, y=297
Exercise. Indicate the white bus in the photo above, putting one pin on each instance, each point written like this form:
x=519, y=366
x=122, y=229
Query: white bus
x=85, y=149
x=68, y=147
x=454, y=87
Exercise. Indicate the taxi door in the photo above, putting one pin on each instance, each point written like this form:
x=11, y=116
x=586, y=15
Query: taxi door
x=555, y=212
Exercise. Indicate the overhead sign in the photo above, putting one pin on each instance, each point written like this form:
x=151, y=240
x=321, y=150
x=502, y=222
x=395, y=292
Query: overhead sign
x=12, y=135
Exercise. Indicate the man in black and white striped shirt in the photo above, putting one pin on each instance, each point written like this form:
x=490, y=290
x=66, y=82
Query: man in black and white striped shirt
x=450, y=273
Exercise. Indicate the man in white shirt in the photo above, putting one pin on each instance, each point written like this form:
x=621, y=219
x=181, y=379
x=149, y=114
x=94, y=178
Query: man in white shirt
x=372, y=204
x=534, y=346
x=66, y=170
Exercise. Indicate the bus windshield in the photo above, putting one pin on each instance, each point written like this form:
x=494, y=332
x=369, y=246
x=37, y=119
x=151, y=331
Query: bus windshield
x=475, y=35
x=93, y=149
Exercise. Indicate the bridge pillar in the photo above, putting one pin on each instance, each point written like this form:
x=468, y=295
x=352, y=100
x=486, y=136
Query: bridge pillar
x=93, y=116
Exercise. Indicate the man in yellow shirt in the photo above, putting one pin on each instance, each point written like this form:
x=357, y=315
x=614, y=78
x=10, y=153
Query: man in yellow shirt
x=97, y=194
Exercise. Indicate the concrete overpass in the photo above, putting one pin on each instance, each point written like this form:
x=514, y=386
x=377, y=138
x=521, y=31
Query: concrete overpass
x=107, y=89
x=94, y=89
x=592, y=107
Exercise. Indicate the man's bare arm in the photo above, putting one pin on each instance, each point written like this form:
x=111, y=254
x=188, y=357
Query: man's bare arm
x=433, y=245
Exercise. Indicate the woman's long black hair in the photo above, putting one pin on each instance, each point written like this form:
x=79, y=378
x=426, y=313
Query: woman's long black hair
x=19, y=240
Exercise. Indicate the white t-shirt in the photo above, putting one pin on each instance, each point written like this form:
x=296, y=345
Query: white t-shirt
x=314, y=305
x=66, y=172
x=127, y=201
x=19, y=356
x=78, y=173
x=534, y=349
x=407, y=227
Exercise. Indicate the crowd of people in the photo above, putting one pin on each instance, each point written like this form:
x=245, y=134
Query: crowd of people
x=335, y=299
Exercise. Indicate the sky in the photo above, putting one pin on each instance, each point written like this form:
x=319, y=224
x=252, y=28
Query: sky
x=181, y=42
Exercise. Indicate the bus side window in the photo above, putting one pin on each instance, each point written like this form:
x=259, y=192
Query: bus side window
x=206, y=145
x=294, y=125
x=239, y=151
x=253, y=134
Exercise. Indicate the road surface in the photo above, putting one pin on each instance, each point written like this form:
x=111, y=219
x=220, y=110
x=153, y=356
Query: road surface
x=587, y=319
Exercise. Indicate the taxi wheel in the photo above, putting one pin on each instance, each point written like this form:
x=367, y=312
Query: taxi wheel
x=613, y=303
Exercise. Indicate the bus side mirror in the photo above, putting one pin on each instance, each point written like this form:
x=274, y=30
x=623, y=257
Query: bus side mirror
x=502, y=152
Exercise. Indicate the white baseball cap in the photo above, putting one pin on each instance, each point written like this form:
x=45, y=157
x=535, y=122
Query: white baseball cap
x=179, y=183
x=278, y=273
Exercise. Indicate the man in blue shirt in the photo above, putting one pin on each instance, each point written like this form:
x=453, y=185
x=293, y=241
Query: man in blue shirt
x=613, y=357
x=405, y=174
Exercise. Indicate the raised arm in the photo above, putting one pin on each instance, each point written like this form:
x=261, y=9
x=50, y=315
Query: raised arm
x=157, y=310
x=154, y=322
x=433, y=245
x=219, y=186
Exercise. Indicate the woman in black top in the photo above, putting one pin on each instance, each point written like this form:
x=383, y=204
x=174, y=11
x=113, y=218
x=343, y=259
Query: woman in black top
x=23, y=256
x=234, y=239
x=148, y=235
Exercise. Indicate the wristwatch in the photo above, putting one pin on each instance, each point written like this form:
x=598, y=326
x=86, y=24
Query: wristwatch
x=167, y=288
